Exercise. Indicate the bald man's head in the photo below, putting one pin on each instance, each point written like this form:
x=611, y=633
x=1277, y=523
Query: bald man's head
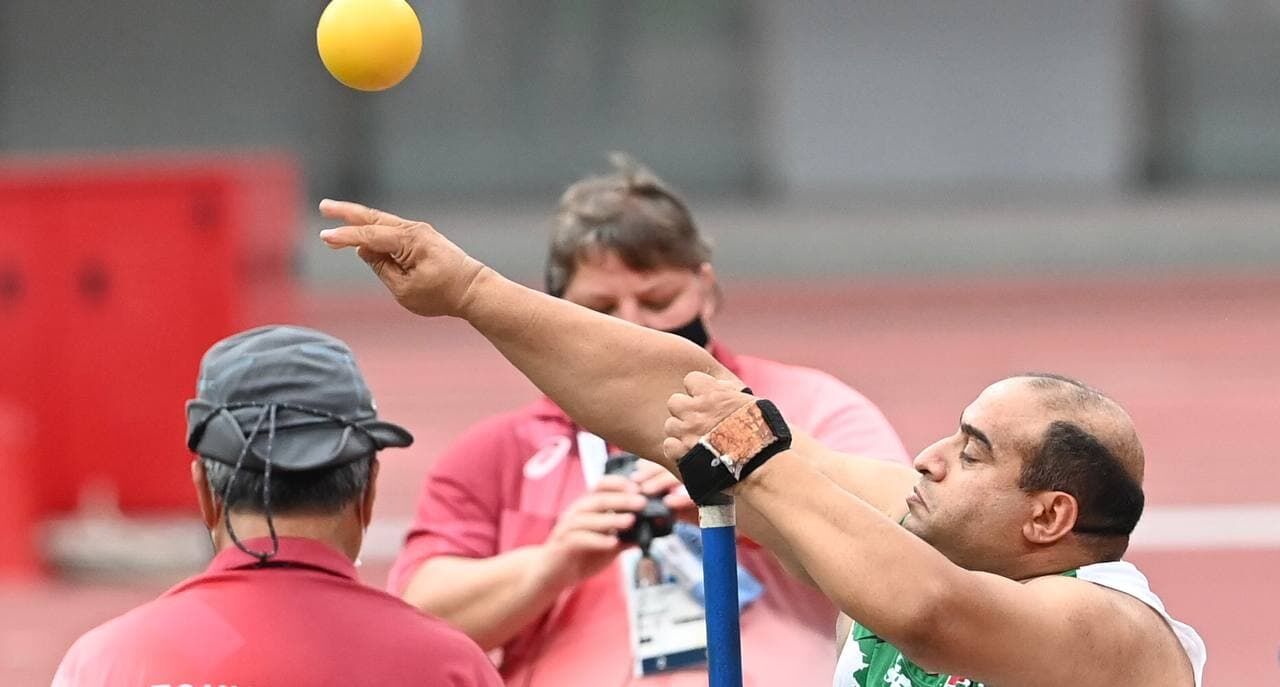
x=1089, y=449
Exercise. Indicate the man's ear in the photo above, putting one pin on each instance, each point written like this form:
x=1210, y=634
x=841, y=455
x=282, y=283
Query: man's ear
x=1053, y=514
x=370, y=494
x=210, y=510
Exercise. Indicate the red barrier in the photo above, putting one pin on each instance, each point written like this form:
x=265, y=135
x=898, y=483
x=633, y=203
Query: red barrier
x=19, y=550
x=115, y=276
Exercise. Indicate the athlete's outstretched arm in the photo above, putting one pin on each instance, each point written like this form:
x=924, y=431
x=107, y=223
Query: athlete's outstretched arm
x=611, y=376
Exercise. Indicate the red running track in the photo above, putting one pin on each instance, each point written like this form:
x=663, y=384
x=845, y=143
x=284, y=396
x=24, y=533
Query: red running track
x=1194, y=359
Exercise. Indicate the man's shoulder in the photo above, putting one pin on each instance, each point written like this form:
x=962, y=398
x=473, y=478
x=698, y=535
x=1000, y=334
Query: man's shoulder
x=119, y=640
x=1072, y=592
x=144, y=639
x=410, y=632
x=1119, y=583
x=1064, y=616
x=1123, y=615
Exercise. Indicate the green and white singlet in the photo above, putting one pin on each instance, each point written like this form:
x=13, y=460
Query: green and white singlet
x=868, y=661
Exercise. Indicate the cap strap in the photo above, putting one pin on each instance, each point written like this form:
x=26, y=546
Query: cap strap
x=266, y=414
x=266, y=485
x=197, y=433
x=262, y=556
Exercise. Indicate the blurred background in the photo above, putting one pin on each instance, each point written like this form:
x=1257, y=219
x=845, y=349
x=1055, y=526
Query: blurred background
x=918, y=197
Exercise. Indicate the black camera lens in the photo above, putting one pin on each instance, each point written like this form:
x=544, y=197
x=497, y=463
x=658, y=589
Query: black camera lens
x=654, y=520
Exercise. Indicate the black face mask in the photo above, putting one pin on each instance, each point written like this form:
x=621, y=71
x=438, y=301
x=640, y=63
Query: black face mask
x=694, y=331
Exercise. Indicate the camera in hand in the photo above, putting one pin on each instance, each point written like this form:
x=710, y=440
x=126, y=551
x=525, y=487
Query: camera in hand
x=654, y=520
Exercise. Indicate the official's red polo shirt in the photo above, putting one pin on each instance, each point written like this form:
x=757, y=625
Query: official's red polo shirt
x=304, y=619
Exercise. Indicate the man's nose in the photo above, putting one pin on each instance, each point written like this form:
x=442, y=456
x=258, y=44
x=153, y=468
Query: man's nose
x=931, y=462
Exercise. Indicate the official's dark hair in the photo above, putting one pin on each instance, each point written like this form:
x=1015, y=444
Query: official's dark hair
x=327, y=490
x=630, y=212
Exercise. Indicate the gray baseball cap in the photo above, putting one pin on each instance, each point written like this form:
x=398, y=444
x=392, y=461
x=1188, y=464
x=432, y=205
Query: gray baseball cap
x=293, y=394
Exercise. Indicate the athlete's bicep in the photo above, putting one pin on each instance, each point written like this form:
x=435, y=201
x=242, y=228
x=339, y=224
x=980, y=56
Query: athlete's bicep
x=1050, y=631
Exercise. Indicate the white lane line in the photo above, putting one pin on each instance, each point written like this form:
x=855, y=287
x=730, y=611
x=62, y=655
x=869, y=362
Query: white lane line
x=1226, y=526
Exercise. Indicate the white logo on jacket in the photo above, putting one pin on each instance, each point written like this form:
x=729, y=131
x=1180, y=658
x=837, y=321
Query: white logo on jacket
x=547, y=458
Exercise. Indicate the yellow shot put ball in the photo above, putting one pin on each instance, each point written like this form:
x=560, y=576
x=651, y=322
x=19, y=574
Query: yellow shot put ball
x=369, y=45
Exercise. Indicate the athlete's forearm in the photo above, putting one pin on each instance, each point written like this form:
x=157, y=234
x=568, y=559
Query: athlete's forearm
x=489, y=599
x=881, y=484
x=611, y=376
x=755, y=525
x=866, y=563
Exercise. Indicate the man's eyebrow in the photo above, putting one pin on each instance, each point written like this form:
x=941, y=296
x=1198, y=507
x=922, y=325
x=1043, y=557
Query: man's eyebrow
x=976, y=433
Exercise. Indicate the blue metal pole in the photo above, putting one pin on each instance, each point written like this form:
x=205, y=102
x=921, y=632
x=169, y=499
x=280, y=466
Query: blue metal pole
x=720, y=580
